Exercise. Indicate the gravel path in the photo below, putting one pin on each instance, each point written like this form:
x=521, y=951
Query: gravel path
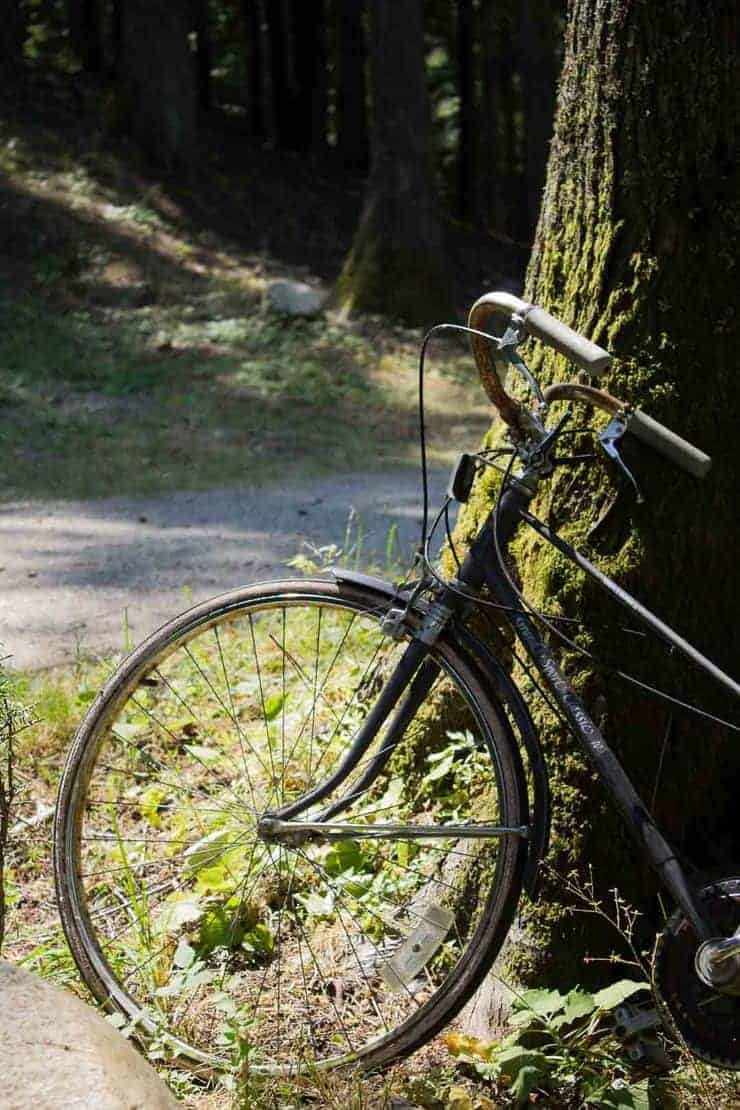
x=73, y=574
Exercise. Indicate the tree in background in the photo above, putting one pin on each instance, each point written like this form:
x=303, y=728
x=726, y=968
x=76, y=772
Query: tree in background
x=158, y=78
x=635, y=247
x=12, y=33
x=351, y=87
x=396, y=264
x=85, y=33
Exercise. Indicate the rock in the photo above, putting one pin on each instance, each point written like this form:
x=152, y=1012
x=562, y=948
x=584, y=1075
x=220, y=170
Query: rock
x=295, y=298
x=56, y=1051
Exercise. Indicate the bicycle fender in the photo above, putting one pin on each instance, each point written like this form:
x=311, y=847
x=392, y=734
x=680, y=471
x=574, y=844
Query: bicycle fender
x=494, y=675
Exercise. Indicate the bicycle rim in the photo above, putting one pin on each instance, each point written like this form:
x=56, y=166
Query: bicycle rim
x=214, y=942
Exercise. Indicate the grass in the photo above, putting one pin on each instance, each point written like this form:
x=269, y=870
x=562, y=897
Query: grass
x=137, y=356
x=432, y=1079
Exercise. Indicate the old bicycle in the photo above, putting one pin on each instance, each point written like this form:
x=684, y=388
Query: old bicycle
x=279, y=813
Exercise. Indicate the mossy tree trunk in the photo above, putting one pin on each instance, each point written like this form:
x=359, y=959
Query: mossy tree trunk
x=635, y=247
x=396, y=264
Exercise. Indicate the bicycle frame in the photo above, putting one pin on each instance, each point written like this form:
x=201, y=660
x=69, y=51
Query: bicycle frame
x=416, y=672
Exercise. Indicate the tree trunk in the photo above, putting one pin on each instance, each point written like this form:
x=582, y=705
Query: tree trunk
x=252, y=24
x=351, y=100
x=634, y=248
x=511, y=192
x=83, y=17
x=309, y=83
x=203, y=60
x=117, y=35
x=282, y=101
x=396, y=265
x=12, y=35
x=537, y=65
x=489, y=203
x=158, y=79
x=466, y=154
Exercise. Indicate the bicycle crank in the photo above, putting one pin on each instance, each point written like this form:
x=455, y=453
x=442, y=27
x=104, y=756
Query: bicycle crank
x=697, y=985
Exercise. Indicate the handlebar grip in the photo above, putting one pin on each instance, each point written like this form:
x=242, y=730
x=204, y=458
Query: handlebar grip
x=590, y=357
x=667, y=443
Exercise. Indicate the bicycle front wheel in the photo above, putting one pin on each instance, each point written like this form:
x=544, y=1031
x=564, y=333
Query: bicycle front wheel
x=207, y=936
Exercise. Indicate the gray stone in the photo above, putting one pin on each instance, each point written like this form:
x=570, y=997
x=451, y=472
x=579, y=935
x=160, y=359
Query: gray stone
x=295, y=298
x=57, y=1052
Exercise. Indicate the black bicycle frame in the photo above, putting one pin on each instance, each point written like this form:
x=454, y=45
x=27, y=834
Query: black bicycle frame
x=482, y=565
x=416, y=672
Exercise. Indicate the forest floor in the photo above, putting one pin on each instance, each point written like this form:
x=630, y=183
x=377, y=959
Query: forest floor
x=139, y=371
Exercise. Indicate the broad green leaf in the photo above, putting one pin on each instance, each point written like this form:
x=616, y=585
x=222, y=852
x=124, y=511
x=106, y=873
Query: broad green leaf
x=527, y=1079
x=317, y=906
x=524, y=1067
x=207, y=851
x=219, y=929
x=516, y=1056
x=178, y=910
x=345, y=855
x=634, y=1096
x=273, y=706
x=259, y=939
x=615, y=994
x=541, y=1002
x=442, y=767
x=578, y=1004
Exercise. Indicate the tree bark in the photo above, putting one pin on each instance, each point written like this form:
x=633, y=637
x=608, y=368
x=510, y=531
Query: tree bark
x=351, y=100
x=309, y=80
x=489, y=204
x=279, y=71
x=83, y=17
x=252, y=22
x=158, y=79
x=634, y=247
x=396, y=264
x=12, y=35
x=466, y=160
x=203, y=60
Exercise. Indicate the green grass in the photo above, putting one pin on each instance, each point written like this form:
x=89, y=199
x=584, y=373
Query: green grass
x=136, y=354
x=438, y=1080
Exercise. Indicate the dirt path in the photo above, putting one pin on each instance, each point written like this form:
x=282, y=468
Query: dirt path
x=74, y=574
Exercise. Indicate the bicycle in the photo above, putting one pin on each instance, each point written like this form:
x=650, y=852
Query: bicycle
x=276, y=818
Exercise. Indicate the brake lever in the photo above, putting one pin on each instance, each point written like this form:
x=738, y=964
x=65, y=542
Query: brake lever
x=609, y=439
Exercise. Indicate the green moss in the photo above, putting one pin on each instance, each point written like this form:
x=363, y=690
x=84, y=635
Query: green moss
x=632, y=249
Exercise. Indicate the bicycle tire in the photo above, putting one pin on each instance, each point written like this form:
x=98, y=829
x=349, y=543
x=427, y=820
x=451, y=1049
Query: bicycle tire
x=110, y=922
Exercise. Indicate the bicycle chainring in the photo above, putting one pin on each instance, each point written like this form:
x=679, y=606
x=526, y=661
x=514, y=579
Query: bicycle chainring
x=706, y=1020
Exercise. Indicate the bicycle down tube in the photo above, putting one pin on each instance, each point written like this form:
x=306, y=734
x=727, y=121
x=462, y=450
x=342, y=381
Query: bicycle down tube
x=481, y=565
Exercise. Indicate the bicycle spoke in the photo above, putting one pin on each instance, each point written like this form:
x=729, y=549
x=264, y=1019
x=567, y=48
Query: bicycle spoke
x=254, y=707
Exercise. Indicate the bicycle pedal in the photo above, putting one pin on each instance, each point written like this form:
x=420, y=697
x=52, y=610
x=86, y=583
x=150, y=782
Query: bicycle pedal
x=629, y=1021
x=649, y=1053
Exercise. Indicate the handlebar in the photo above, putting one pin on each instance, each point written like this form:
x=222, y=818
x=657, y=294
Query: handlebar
x=534, y=321
x=649, y=431
x=538, y=323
